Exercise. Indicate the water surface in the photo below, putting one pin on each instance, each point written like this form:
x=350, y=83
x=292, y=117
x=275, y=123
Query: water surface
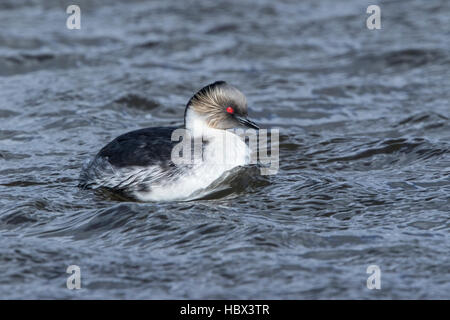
x=364, y=149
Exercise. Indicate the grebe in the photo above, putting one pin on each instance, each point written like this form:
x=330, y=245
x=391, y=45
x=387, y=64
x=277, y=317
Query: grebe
x=139, y=164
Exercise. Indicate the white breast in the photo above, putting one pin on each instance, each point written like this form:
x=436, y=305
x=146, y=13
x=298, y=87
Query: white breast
x=224, y=151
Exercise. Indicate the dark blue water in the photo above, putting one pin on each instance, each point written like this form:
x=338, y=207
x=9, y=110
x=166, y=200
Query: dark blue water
x=364, y=173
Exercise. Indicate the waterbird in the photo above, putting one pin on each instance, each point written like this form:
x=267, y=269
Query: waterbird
x=140, y=164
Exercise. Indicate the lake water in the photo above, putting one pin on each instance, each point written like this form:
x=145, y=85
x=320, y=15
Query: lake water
x=364, y=175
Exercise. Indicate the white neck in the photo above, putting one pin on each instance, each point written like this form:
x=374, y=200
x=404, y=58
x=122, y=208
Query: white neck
x=198, y=125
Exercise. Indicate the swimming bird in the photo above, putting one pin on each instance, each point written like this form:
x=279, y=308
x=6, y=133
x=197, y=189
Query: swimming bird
x=140, y=164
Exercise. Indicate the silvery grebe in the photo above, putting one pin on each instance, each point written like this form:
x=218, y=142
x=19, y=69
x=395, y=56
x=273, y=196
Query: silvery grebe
x=139, y=164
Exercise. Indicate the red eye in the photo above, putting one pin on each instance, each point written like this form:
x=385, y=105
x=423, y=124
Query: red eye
x=230, y=110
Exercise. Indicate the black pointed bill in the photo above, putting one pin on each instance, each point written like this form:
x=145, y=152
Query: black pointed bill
x=246, y=122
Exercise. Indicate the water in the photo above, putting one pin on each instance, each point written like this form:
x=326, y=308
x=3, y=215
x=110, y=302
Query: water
x=364, y=149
